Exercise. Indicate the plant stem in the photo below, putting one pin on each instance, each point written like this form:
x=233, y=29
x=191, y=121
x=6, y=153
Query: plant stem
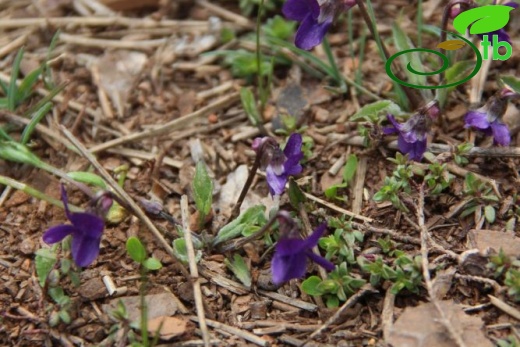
x=412, y=95
x=34, y=192
x=144, y=308
x=247, y=185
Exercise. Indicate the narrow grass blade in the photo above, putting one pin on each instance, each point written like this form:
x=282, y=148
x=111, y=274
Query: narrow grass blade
x=12, y=92
x=38, y=116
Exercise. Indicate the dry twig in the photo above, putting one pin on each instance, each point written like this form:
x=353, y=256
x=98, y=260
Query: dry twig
x=194, y=271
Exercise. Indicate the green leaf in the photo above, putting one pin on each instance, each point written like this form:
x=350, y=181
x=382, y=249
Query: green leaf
x=310, y=286
x=135, y=249
x=332, y=301
x=253, y=216
x=512, y=82
x=482, y=19
x=12, y=93
x=45, y=261
x=239, y=268
x=180, y=251
x=458, y=72
x=57, y=294
x=36, y=118
x=249, y=104
x=25, y=88
x=18, y=153
x=350, y=168
x=88, y=178
x=152, y=264
x=296, y=196
x=64, y=316
x=402, y=43
x=202, y=189
x=372, y=111
x=279, y=27
x=489, y=213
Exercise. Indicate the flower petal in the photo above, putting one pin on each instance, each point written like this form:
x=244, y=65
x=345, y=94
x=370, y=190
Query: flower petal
x=417, y=150
x=477, y=120
x=298, y=9
x=88, y=224
x=290, y=246
x=275, y=182
x=313, y=238
x=293, y=148
x=501, y=133
x=311, y=33
x=58, y=233
x=84, y=249
x=284, y=268
x=321, y=261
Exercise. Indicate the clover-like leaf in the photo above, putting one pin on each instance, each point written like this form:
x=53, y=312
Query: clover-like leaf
x=483, y=19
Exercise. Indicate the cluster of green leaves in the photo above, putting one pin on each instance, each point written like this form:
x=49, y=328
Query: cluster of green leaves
x=338, y=286
x=51, y=271
x=405, y=271
x=438, y=178
x=137, y=251
x=460, y=153
x=397, y=184
x=479, y=194
x=342, y=243
x=349, y=170
x=246, y=224
x=507, y=269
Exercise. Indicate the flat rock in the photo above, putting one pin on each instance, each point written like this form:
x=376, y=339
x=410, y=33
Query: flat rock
x=487, y=240
x=163, y=304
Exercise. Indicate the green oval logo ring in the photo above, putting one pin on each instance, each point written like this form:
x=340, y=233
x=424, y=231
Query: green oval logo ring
x=444, y=67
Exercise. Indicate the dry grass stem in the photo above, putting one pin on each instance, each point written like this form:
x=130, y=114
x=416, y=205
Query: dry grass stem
x=103, y=43
x=337, y=208
x=510, y=310
x=246, y=335
x=194, y=271
x=173, y=125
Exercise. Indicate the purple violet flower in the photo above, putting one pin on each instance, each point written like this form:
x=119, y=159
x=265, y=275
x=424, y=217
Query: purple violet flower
x=290, y=258
x=86, y=231
x=411, y=135
x=487, y=119
x=316, y=17
x=278, y=164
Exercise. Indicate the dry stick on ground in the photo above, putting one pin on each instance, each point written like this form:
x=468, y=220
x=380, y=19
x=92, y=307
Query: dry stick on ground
x=125, y=197
x=387, y=316
x=366, y=289
x=426, y=272
x=185, y=213
x=337, y=208
x=510, y=310
x=246, y=335
x=179, y=26
x=104, y=43
x=170, y=126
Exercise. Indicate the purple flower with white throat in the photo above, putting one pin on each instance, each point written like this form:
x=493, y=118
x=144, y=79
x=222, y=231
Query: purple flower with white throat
x=488, y=118
x=278, y=164
x=316, y=17
x=292, y=252
x=86, y=230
